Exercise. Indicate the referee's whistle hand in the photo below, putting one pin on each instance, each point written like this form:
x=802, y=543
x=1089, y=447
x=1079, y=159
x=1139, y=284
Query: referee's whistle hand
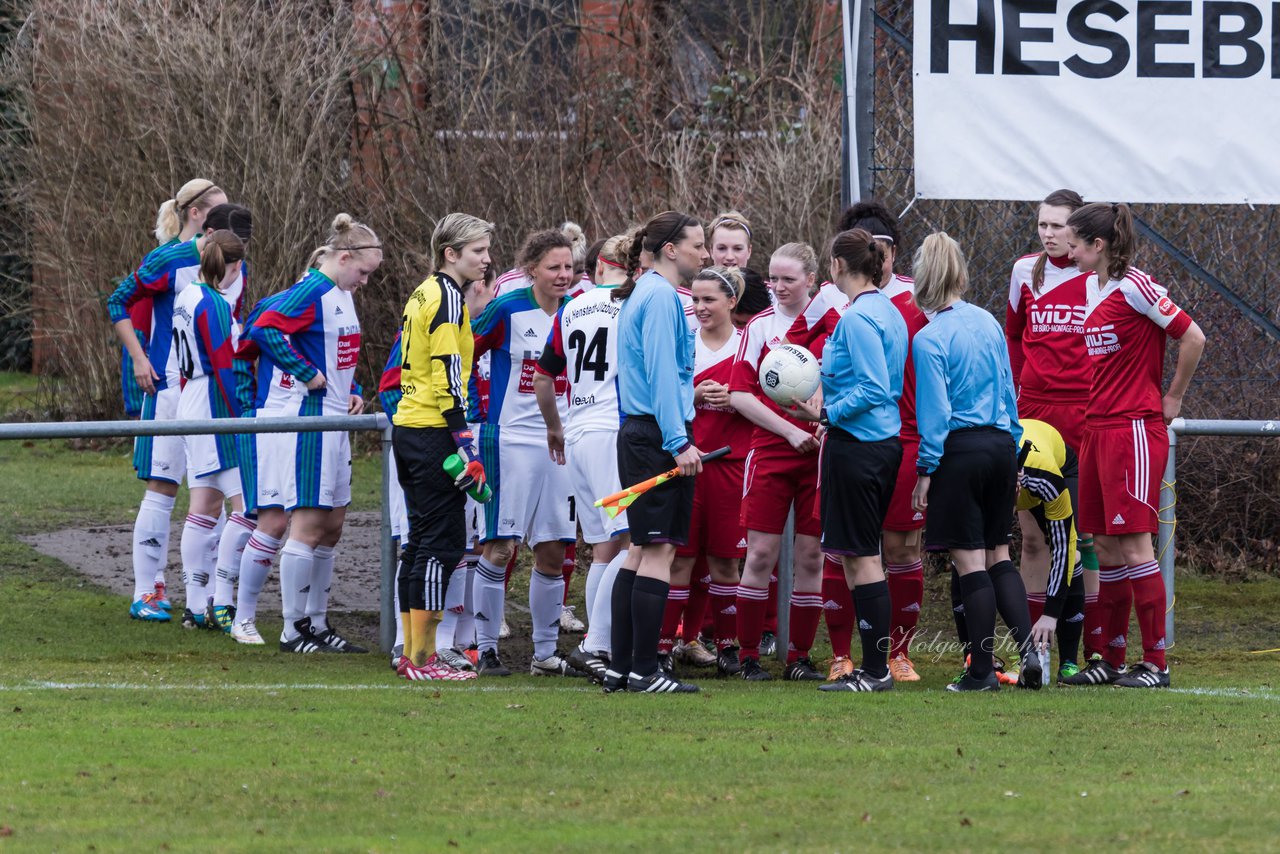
x=690, y=461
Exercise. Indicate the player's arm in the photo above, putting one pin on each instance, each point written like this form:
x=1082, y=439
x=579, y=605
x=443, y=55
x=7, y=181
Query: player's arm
x=866, y=384
x=243, y=368
x=1190, y=349
x=213, y=325
x=933, y=414
x=389, y=392
x=1149, y=298
x=439, y=327
x=663, y=325
x=269, y=332
x=490, y=329
x=1015, y=323
x=744, y=396
x=551, y=364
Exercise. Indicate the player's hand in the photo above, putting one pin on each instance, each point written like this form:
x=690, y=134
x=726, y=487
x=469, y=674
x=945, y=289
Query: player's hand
x=1171, y=406
x=802, y=442
x=145, y=375
x=555, y=445
x=356, y=405
x=713, y=393
x=472, y=476
x=690, y=461
x=1043, y=631
x=808, y=410
x=920, y=495
x=317, y=382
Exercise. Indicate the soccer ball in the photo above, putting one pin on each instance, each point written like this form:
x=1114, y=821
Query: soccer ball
x=789, y=374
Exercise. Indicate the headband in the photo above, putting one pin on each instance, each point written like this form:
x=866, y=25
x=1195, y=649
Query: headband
x=193, y=198
x=680, y=226
x=886, y=238
x=731, y=223
x=722, y=278
x=606, y=261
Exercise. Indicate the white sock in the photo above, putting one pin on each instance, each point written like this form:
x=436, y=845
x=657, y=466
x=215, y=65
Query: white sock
x=296, y=561
x=546, y=597
x=150, y=542
x=255, y=566
x=321, y=583
x=395, y=592
x=214, y=544
x=198, y=538
x=601, y=620
x=464, y=635
x=455, y=597
x=594, y=573
x=230, y=549
x=490, y=598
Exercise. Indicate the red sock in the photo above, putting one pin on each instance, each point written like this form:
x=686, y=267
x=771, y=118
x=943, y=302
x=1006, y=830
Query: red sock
x=751, y=604
x=837, y=607
x=566, y=568
x=1149, y=602
x=1115, y=600
x=677, y=598
x=771, y=608
x=806, y=613
x=696, y=610
x=1035, y=604
x=511, y=565
x=906, y=590
x=723, y=612
x=1093, y=643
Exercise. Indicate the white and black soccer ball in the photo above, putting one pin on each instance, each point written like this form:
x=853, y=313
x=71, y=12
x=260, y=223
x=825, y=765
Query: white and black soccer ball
x=789, y=373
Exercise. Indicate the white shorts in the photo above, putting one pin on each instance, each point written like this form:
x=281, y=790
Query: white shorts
x=226, y=481
x=534, y=500
x=592, y=461
x=303, y=469
x=160, y=457
x=399, y=510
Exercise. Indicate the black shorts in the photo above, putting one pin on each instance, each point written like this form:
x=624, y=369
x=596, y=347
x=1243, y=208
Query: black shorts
x=436, y=508
x=663, y=514
x=857, y=485
x=973, y=490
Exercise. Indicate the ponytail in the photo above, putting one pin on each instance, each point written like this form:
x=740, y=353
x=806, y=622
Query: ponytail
x=1056, y=199
x=1114, y=225
x=345, y=235
x=861, y=253
x=666, y=227
x=195, y=194
x=632, y=263
x=221, y=249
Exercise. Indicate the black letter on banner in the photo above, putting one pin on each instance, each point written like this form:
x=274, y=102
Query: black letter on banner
x=1215, y=39
x=1015, y=35
x=1079, y=30
x=982, y=34
x=1275, y=41
x=1149, y=37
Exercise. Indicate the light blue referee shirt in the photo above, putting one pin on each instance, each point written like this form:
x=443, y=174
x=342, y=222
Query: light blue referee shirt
x=655, y=352
x=963, y=379
x=862, y=368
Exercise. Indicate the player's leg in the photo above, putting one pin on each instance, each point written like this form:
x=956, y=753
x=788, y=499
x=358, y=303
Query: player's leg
x=199, y=535
x=805, y=608
x=231, y=546
x=1034, y=567
x=752, y=598
x=722, y=601
x=677, y=601
x=497, y=549
x=904, y=566
x=159, y=461
x=549, y=524
x=837, y=609
x=1071, y=626
x=255, y=566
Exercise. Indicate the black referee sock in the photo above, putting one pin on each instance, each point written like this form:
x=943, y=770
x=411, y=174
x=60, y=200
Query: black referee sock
x=648, y=606
x=871, y=604
x=620, y=634
x=980, y=614
x=957, y=611
x=1011, y=602
x=1071, y=623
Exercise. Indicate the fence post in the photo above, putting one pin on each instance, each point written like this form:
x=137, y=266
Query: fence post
x=387, y=611
x=786, y=564
x=1168, y=531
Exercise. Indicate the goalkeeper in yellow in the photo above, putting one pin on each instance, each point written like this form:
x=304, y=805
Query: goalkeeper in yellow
x=430, y=425
x=1047, y=479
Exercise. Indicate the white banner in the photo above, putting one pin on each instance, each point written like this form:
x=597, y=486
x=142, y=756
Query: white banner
x=1123, y=100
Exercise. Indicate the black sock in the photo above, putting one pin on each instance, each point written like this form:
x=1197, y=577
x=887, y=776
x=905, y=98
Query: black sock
x=648, y=606
x=620, y=636
x=402, y=586
x=871, y=604
x=1071, y=623
x=1011, y=602
x=957, y=611
x=980, y=615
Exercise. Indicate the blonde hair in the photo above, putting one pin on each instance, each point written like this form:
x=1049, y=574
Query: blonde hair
x=616, y=249
x=732, y=220
x=940, y=271
x=801, y=252
x=345, y=235
x=577, y=245
x=728, y=279
x=196, y=194
x=454, y=232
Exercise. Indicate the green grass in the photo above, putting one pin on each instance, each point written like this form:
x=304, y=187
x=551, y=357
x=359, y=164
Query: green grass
x=201, y=744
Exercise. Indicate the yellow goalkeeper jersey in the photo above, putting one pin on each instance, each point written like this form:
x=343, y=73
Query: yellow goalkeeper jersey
x=1043, y=490
x=437, y=344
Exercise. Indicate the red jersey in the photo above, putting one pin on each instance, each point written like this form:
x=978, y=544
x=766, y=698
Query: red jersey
x=819, y=318
x=1125, y=325
x=714, y=426
x=763, y=332
x=1045, y=332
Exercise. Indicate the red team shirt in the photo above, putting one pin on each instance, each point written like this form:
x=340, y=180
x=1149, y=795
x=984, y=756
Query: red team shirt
x=762, y=334
x=1044, y=332
x=714, y=427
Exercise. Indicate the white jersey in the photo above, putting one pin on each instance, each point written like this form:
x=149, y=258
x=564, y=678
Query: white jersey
x=584, y=346
x=686, y=302
x=188, y=275
x=514, y=330
x=514, y=280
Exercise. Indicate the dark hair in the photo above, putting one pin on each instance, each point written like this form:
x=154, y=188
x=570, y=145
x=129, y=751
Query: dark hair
x=1056, y=199
x=221, y=249
x=872, y=216
x=666, y=227
x=755, y=296
x=538, y=244
x=1114, y=224
x=593, y=256
x=232, y=217
x=860, y=252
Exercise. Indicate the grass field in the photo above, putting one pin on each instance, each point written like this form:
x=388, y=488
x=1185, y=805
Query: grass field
x=116, y=735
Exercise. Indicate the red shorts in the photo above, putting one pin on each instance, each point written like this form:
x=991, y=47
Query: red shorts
x=902, y=516
x=1065, y=416
x=1121, y=468
x=777, y=477
x=832, y=568
x=716, y=528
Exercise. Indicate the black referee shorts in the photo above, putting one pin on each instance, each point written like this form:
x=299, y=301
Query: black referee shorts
x=857, y=485
x=663, y=514
x=436, y=508
x=973, y=490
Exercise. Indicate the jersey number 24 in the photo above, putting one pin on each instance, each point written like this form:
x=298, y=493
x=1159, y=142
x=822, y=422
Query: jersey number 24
x=592, y=356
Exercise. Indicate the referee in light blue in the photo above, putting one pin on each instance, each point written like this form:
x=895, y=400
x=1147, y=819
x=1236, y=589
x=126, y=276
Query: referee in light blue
x=862, y=369
x=967, y=464
x=655, y=387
